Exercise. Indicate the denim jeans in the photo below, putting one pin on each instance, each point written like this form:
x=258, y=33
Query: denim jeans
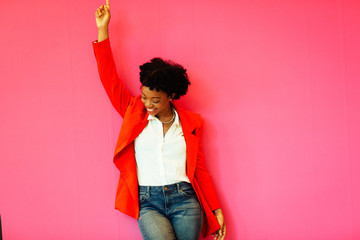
x=169, y=212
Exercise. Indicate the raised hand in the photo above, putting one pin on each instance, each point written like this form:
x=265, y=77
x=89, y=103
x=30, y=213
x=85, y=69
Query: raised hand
x=102, y=16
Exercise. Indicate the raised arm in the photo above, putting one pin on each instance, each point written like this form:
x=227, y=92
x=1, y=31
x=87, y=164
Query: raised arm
x=118, y=95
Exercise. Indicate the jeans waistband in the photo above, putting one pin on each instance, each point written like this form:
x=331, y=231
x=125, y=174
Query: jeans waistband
x=175, y=187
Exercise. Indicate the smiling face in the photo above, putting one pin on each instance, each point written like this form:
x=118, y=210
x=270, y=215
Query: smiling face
x=156, y=102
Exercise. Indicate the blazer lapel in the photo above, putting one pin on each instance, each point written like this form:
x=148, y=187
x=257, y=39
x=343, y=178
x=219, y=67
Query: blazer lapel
x=192, y=141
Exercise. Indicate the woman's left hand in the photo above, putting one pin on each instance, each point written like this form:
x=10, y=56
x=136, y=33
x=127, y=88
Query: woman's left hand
x=220, y=234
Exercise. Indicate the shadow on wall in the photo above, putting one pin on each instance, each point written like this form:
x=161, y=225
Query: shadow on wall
x=0, y=229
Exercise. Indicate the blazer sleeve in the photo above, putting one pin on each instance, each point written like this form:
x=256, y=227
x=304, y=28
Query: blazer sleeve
x=118, y=95
x=203, y=177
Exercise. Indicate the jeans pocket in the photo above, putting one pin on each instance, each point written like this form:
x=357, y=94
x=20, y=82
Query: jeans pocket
x=143, y=196
x=188, y=192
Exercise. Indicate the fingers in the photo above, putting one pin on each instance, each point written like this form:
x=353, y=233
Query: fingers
x=216, y=235
x=107, y=6
x=103, y=9
x=224, y=230
x=100, y=11
x=220, y=234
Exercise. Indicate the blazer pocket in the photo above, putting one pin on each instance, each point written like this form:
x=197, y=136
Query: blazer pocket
x=194, y=132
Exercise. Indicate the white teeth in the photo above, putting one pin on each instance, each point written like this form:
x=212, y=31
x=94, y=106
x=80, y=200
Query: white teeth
x=150, y=110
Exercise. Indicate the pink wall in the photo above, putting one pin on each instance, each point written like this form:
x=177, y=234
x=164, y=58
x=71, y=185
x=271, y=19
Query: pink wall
x=277, y=83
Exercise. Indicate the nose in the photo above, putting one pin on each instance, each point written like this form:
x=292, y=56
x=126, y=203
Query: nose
x=148, y=104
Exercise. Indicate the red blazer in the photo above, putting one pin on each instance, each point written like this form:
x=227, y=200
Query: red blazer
x=135, y=117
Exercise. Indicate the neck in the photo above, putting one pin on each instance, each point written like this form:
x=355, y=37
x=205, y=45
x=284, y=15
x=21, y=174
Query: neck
x=164, y=117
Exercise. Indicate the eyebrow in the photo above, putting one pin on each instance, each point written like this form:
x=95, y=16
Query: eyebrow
x=145, y=95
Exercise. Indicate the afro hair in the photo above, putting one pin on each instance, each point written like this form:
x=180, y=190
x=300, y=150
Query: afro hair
x=165, y=76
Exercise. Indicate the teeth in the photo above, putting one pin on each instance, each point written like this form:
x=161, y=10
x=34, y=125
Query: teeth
x=150, y=110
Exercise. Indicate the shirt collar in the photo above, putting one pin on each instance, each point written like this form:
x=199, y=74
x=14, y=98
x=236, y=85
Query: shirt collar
x=176, y=121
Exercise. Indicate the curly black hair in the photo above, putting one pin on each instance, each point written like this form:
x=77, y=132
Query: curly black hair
x=166, y=76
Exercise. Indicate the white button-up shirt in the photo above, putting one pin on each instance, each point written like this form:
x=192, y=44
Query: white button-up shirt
x=160, y=159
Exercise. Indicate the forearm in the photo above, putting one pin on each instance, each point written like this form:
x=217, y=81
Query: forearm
x=103, y=33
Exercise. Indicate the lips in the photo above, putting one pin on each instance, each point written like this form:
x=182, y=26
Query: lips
x=151, y=110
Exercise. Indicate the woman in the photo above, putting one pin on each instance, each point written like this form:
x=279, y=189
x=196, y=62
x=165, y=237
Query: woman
x=163, y=180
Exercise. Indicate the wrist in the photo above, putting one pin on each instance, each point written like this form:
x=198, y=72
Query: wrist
x=103, y=34
x=217, y=211
x=103, y=29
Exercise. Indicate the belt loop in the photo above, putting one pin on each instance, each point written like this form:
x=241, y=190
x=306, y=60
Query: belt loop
x=148, y=191
x=178, y=187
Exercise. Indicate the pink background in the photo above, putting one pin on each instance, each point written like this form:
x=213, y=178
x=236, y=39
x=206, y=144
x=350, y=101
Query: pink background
x=277, y=83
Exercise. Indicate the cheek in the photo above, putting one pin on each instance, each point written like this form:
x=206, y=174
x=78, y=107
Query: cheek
x=161, y=105
x=156, y=106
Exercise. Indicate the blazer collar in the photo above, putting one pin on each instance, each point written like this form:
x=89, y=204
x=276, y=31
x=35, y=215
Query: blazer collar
x=187, y=122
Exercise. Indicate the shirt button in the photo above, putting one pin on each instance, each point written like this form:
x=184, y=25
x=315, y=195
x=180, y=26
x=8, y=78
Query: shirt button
x=165, y=188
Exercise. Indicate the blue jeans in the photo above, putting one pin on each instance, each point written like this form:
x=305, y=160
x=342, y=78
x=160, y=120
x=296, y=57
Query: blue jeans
x=169, y=212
